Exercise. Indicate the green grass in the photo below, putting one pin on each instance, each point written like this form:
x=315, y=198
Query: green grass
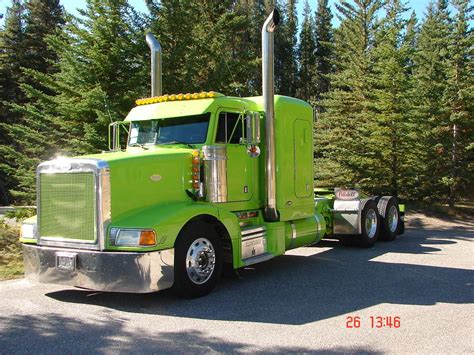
x=11, y=256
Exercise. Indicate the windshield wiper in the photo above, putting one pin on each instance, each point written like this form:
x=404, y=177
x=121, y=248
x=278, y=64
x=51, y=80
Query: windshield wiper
x=177, y=142
x=143, y=146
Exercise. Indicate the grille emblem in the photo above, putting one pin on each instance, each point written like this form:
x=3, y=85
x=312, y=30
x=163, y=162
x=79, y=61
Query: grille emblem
x=155, y=177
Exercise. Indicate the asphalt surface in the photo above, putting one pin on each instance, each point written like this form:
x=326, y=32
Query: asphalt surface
x=295, y=303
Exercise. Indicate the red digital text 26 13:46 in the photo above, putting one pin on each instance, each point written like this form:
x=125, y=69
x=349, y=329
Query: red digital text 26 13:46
x=373, y=322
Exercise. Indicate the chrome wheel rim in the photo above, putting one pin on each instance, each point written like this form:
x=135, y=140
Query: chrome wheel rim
x=393, y=219
x=200, y=260
x=371, y=223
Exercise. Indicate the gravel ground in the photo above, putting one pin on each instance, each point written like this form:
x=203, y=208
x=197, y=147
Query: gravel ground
x=299, y=303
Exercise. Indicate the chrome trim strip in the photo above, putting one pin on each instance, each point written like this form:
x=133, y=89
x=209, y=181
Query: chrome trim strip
x=293, y=230
x=104, y=212
x=63, y=244
x=65, y=240
x=252, y=236
x=253, y=230
x=102, y=271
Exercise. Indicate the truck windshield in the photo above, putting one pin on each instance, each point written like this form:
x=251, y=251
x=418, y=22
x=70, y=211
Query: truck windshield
x=176, y=130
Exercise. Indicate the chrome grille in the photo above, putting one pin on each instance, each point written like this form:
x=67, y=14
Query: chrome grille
x=73, y=202
x=68, y=206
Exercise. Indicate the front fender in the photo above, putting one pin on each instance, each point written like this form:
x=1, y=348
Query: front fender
x=168, y=219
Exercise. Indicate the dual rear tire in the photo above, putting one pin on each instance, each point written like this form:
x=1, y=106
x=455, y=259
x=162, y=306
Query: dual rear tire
x=391, y=223
x=380, y=220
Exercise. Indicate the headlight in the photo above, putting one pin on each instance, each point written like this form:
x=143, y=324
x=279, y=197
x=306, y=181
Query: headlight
x=132, y=237
x=28, y=231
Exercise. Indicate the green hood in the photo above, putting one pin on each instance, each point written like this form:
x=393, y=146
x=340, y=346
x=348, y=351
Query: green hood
x=142, y=178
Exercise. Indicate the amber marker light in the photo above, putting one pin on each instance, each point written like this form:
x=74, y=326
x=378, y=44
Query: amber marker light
x=147, y=238
x=178, y=97
x=195, y=169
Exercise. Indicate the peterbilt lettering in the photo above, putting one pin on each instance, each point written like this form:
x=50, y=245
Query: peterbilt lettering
x=206, y=181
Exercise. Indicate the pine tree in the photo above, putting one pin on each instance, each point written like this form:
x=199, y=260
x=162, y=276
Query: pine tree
x=43, y=18
x=342, y=132
x=172, y=22
x=286, y=68
x=11, y=59
x=392, y=102
x=458, y=98
x=432, y=116
x=205, y=46
x=257, y=12
x=229, y=65
x=306, y=56
x=12, y=55
x=324, y=50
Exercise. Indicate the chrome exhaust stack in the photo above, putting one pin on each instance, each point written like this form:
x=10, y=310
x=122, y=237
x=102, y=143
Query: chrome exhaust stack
x=268, y=29
x=155, y=49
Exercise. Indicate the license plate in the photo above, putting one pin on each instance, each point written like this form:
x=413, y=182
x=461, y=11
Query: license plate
x=66, y=261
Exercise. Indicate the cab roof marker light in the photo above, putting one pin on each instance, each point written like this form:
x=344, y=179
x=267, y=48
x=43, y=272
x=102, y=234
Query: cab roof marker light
x=178, y=97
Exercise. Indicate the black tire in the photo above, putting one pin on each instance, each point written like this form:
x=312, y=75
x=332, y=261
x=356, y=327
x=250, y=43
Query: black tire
x=198, y=260
x=370, y=224
x=390, y=221
x=402, y=227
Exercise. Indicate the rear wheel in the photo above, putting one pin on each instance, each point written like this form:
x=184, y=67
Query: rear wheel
x=198, y=260
x=389, y=218
x=370, y=224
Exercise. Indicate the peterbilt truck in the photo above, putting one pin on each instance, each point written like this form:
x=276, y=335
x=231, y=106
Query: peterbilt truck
x=206, y=182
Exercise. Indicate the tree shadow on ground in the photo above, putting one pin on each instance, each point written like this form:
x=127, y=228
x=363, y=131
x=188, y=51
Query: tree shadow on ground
x=63, y=335
x=331, y=280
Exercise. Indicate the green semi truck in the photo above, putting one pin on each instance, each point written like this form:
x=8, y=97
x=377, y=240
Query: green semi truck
x=206, y=182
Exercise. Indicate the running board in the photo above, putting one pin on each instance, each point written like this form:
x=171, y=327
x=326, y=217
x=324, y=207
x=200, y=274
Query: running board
x=258, y=259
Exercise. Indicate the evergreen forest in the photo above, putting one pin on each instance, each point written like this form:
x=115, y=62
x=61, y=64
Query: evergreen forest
x=393, y=94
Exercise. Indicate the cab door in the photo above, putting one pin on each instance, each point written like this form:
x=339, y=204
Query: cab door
x=240, y=166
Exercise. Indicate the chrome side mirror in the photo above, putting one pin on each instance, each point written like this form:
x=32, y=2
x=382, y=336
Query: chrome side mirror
x=115, y=136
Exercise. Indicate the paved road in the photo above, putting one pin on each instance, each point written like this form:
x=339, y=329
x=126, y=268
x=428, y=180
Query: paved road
x=296, y=303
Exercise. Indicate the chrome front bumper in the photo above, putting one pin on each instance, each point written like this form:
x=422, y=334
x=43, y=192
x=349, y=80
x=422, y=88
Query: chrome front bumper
x=101, y=271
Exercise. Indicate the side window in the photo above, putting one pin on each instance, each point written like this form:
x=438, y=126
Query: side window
x=229, y=128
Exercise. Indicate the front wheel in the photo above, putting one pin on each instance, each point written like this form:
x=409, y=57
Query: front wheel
x=370, y=224
x=198, y=260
